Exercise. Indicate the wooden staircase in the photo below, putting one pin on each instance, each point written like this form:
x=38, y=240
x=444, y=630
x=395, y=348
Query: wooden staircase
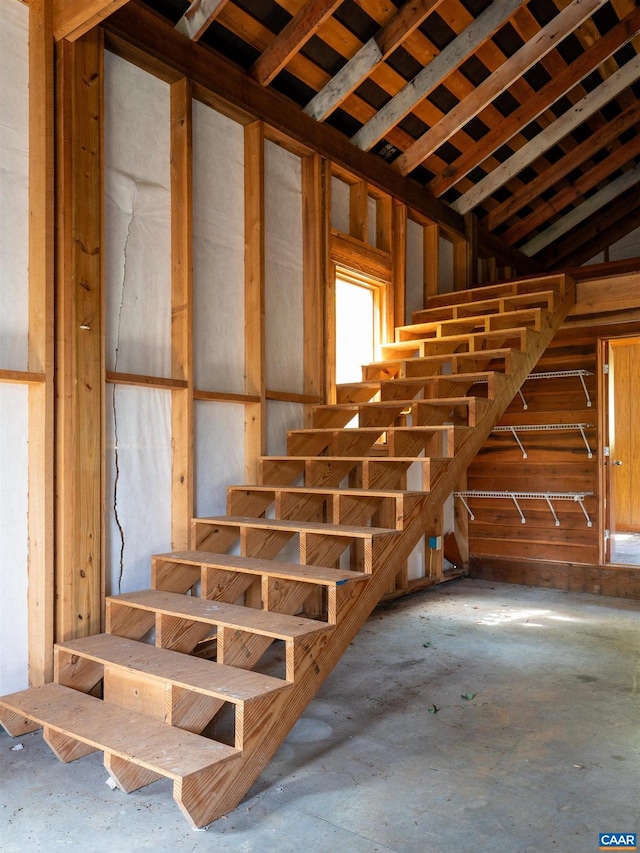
x=339, y=498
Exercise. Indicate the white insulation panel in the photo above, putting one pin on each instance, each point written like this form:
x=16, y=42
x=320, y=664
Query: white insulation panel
x=14, y=428
x=414, y=292
x=280, y=418
x=219, y=454
x=137, y=220
x=340, y=218
x=14, y=185
x=445, y=266
x=138, y=483
x=284, y=322
x=218, y=251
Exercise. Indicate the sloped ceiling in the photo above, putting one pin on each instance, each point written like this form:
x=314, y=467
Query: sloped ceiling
x=526, y=113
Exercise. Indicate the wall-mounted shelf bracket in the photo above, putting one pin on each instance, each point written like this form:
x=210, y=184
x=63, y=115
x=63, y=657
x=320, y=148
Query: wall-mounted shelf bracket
x=514, y=430
x=516, y=497
x=555, y=374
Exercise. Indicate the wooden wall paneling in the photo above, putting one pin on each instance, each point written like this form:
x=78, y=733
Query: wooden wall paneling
x=182, y=414
x=316, y=211
x=254, y=297
x=80, y=339
x=41, y=351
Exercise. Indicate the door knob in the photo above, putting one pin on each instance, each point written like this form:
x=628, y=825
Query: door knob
x=617, y=461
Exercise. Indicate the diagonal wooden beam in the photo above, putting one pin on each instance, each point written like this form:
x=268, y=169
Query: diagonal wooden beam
x=74, y=18
x=199, y=15
x=583, y=211
x=294, y=36
x=432, y=74
x=569, y=194
x=598, y=233
x=503, y=77
x=580, y=112
x=571, y=160
x=373, y=52
x=559, y=85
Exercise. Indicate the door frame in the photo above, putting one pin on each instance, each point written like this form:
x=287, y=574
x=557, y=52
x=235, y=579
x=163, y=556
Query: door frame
x=607, y=498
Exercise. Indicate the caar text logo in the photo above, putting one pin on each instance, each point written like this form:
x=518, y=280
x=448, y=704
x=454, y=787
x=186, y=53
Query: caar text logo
x=618, y=841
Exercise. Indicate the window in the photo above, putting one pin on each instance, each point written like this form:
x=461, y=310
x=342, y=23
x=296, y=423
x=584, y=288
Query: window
x=358, y=324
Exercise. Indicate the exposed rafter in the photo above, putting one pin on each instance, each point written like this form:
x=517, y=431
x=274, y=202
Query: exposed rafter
x=596, y=234
x=372, y=52
x=198, y=17
x=579, y=113
x=578, y=215
x=558, y=86
x=554, y=173
x=442, y=65
x=294, y=36
x=571, y=193
x=513, y=68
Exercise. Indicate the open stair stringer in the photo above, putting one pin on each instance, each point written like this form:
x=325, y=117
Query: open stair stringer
x=173, y=691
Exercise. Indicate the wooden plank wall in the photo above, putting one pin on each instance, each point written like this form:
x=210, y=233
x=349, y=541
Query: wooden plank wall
x=539, y=553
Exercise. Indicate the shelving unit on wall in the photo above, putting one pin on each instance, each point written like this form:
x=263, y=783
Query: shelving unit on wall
x=516, y=497
x=545, y=428
x=558, y=374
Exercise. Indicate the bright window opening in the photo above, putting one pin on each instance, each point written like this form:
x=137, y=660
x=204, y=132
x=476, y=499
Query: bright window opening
x=357, y=326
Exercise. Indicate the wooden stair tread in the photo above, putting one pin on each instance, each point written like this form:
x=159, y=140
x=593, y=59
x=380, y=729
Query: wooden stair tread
x=228, y=683
x=473, y=320
x=295, y=526
x=322, y=490
x=491, y=305
x=266, y=622
x=164, y=749
x=396, y=404
x=372, y=430
x=254, y=565
x=485, y=355
x=375, y=458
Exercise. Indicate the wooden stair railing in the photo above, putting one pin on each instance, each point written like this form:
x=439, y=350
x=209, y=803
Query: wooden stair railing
x=337, y=507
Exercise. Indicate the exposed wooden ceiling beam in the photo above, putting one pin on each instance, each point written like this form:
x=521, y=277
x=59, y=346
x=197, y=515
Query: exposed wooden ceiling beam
x=569, y=194
x=198, y=17
x=583, y=211
x=376, y=50
x=559, y=85
x=580, y=112
x=74, y=18
x=554, y=173
x=146, y=38
x=294, y=36
x=432, y=74
x=599, y=232
x=503, y=77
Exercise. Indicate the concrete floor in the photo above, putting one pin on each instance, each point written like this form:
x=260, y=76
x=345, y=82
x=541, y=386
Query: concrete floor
x=542, y=753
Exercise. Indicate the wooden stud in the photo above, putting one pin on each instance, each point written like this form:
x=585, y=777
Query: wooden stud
x=359, y=211
x=41, y=351
x=399, y=262
x=182, y=468
x=254, y=341
x=80, y=340
x=315, y=230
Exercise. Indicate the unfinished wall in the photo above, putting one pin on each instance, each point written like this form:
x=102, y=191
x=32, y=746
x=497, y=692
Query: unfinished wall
x=218, y=301
x=14, y=330
x=138, y=322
